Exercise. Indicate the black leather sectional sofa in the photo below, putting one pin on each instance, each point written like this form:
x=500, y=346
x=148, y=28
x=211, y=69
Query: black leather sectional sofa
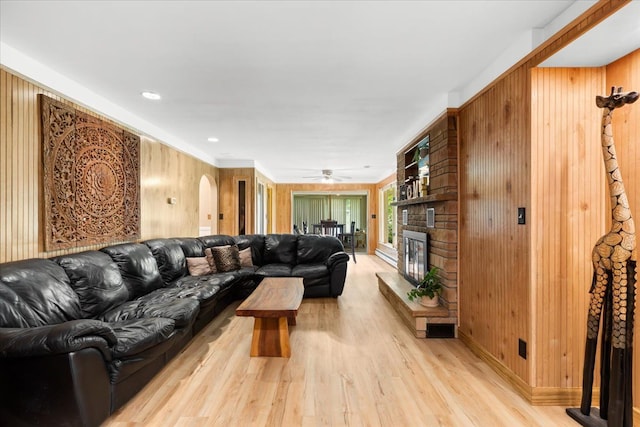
x=80, y=334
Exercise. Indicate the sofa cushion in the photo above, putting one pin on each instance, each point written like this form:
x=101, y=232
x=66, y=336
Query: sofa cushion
x=191, y=247
x=36, y=292
x=222, y=280
x=136, y=335
x=212, y=262
x=96, y=279
x=310, y=271
x=159, y=303
x=280, y=249
x=226, y=258
x=274, y=270
x=201, y=288
x=198, y=266
x=169, y=257
x=137, y=266
x=255, y=242
x=245, y=258
x=313, y=248
x=216, y=240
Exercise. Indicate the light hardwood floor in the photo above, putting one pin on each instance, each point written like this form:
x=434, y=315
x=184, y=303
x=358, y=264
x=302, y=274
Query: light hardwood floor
x=353, y=363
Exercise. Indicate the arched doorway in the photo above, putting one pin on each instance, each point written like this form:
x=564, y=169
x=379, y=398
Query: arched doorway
x=208, y=209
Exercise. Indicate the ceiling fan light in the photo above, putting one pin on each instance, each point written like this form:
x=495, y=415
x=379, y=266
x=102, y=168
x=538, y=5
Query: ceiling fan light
x=151, y=95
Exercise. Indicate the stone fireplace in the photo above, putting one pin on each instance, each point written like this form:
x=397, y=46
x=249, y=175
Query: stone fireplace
x=428, y=226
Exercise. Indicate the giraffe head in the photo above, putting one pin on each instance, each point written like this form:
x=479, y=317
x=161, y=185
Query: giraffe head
x=616, y=99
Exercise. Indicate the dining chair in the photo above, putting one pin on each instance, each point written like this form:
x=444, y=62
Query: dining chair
x=350, y=239
x=329, y=228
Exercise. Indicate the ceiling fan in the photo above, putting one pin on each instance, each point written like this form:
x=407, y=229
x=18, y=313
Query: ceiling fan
x=327, y=176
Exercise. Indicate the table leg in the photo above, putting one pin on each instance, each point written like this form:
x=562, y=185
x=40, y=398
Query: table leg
x=270, y=337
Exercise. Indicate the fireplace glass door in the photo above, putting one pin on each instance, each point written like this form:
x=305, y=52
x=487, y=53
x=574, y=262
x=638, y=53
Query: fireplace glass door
x=415, y=256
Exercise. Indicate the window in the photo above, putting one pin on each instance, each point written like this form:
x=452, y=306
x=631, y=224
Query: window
x=261, y=216
x=389, y=224
x=312, y=208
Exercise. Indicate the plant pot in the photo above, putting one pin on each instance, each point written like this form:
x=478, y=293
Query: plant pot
x=429, y=302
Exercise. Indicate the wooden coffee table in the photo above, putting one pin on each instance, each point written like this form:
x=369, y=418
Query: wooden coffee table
x=274, y=304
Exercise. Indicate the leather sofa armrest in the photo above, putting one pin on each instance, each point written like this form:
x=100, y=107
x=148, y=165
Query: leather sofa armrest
x=337, y=258
x=57, y=339
x=337, y=264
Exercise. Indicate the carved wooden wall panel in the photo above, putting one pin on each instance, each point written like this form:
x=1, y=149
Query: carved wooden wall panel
x=91, y=179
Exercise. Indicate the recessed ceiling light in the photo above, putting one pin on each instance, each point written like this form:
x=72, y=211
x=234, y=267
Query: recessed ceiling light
x=151, y=95
x=213, y=139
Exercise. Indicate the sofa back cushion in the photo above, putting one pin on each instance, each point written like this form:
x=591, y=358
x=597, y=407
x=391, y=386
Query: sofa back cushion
x=280, y=249
x=217, y=240
x=313, y=248
x=36, y=292
x=256, y=243
x=96, y=279
x=137, y=266
x=191, y=246
x=170, y=258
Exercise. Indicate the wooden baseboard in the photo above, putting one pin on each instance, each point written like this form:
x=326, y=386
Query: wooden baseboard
x=518, y=383
x=554, y=396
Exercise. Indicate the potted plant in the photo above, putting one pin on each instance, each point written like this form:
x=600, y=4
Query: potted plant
x=427, y=290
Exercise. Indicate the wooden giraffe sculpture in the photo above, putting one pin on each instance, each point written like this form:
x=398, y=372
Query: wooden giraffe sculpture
x=613, y=290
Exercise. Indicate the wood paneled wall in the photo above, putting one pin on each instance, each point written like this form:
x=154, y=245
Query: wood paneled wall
x=228, y=197
x=570, y=201
x=164, y=173
x=524, y=141
x=494, y=182
x=284, y=196
x=568, y=216
x=626, y=133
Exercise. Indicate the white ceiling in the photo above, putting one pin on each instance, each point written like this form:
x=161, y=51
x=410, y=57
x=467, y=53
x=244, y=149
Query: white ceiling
x=289, y=87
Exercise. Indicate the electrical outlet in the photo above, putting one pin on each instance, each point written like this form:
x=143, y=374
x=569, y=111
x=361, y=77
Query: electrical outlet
x=522, y=216
x=522, y=348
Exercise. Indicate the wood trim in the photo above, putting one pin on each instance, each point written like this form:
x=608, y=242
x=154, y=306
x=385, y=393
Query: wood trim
x=518, y=383
x=582, y=24
x=538, y=396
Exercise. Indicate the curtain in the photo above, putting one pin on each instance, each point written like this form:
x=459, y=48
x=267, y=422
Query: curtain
x=343, y=209
x=309, y=209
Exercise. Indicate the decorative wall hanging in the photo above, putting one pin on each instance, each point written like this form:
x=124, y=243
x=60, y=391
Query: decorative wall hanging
x=91, y=172
x=612, y=291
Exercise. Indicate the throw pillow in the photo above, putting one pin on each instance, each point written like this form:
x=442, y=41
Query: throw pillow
x=227, y=258
x=212, y=263
x=245, y=258
x=198, y=266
